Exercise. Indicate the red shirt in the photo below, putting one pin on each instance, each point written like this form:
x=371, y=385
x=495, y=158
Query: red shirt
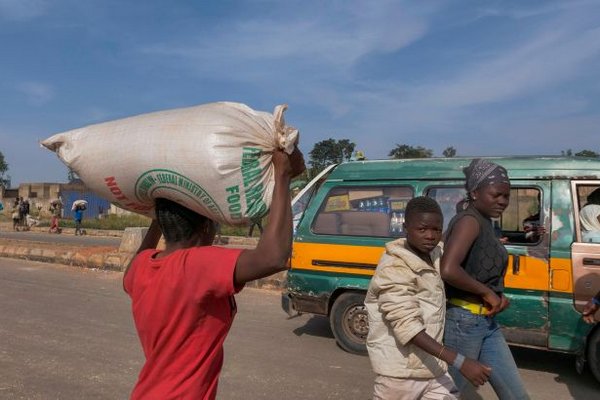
x=183, y=307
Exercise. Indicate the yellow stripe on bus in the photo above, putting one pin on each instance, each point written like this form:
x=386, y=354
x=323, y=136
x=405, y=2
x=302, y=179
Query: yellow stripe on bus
x=532, y=273
x=304, y=254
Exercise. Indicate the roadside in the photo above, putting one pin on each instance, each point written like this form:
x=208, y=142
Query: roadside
x=103, y=257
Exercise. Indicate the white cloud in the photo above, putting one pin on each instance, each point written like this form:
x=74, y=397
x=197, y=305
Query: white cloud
x=332, y=40
x=37, y=93
x=550, y=58
x=22, y=10
x=474, y=106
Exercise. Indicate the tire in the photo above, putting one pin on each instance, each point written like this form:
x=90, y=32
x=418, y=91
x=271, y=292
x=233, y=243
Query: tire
x=349, y=322
x=593, y=353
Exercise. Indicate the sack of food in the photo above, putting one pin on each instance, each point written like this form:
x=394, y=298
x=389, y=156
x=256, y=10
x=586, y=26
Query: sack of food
x=79, y=204
x=214, y=159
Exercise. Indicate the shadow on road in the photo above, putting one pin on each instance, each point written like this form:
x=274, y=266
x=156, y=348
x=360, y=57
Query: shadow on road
x=560, y=366
x=317, y=325
x=563, y=365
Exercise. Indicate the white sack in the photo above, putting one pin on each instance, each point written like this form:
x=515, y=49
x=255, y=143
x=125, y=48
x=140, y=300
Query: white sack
x=76, y=203
x=214, y=159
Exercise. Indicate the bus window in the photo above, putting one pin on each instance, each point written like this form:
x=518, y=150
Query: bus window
x=301, y=200
x=448, y=198
x=588, y=197
x=522, y=221
x=363, y=211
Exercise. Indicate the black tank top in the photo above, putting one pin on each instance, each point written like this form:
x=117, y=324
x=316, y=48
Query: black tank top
x=487, y=258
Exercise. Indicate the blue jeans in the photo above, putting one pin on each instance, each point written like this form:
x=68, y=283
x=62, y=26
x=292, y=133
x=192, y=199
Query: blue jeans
x=479, y=337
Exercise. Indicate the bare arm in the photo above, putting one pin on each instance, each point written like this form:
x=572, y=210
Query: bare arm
x=455, y=251
x=275, y=244
x=590, y=309
x=150, y=241
x=473, y=370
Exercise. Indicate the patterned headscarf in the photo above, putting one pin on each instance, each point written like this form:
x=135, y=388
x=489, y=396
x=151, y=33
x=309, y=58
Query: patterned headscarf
x=481, y=173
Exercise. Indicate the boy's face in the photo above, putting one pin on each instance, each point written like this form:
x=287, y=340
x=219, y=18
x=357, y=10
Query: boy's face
x=424, y=231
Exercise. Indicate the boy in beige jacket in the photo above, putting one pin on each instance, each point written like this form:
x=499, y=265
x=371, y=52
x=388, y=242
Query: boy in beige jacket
x=406, y=306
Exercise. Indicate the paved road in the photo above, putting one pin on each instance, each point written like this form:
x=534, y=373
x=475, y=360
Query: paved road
x=62, y=238
x=66, y=333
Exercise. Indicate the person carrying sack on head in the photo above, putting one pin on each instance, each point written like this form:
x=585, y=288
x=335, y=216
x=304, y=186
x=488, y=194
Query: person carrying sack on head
x=56, y=209
x=182, y=298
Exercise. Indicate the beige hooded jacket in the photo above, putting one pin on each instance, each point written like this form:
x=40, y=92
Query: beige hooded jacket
x=405, y=296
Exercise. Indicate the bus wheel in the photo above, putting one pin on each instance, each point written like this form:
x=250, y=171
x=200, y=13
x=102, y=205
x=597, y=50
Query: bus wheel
x=593, y=353
x=349, y=322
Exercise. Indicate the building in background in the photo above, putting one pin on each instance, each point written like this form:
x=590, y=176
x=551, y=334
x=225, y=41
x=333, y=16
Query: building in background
x=41, y=194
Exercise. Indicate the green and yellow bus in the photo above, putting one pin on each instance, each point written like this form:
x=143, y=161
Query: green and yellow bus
x=344, y=217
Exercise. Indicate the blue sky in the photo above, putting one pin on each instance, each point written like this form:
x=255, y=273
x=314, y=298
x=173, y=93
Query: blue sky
x=487, y=77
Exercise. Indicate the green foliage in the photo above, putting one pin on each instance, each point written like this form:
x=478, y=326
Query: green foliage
x=587, y=153
x=582, y=153
x=406, y=151
x=120, y=222
x=329, y=152
x=449, y=152
x=109, y=222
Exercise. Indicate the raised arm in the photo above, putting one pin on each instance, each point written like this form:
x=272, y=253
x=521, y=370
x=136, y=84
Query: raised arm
x=275, y=244
x=150, y=241
x=456, y=249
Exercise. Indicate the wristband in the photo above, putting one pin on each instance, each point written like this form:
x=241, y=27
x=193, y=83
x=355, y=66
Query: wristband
x=441, y=351
x=596, y=301
x=458, y=361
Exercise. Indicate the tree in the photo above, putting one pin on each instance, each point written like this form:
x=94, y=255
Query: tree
x=4, y=180
x=587, y=153
x=406, y=151
x=449, y=152
x=566, y=153
x=330, y=151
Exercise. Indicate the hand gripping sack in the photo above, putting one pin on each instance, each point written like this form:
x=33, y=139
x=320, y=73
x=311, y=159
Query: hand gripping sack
x=214, y=159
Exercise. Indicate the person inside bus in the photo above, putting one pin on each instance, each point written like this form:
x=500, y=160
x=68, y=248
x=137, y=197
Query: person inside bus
x=533, y=225
x=589, y=216
x=473, y=267
x=406, y=305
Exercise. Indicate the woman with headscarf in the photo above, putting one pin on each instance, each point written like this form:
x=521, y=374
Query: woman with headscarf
x=473, y=267
x=589, y=216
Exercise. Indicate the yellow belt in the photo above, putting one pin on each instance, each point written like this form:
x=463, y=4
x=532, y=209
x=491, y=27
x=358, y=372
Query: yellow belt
x=475, y=308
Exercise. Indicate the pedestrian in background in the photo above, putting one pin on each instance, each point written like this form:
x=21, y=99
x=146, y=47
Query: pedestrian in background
x=15, y=214
x=23, y=213
x=183, y=297
x=254, y=223
x=78, y=216
x=473, y=267
x=56, y=209
x=406, y=306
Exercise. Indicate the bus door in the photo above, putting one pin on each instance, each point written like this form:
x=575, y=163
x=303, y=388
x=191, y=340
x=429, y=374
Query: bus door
x=586, y=248
x=524, y=227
